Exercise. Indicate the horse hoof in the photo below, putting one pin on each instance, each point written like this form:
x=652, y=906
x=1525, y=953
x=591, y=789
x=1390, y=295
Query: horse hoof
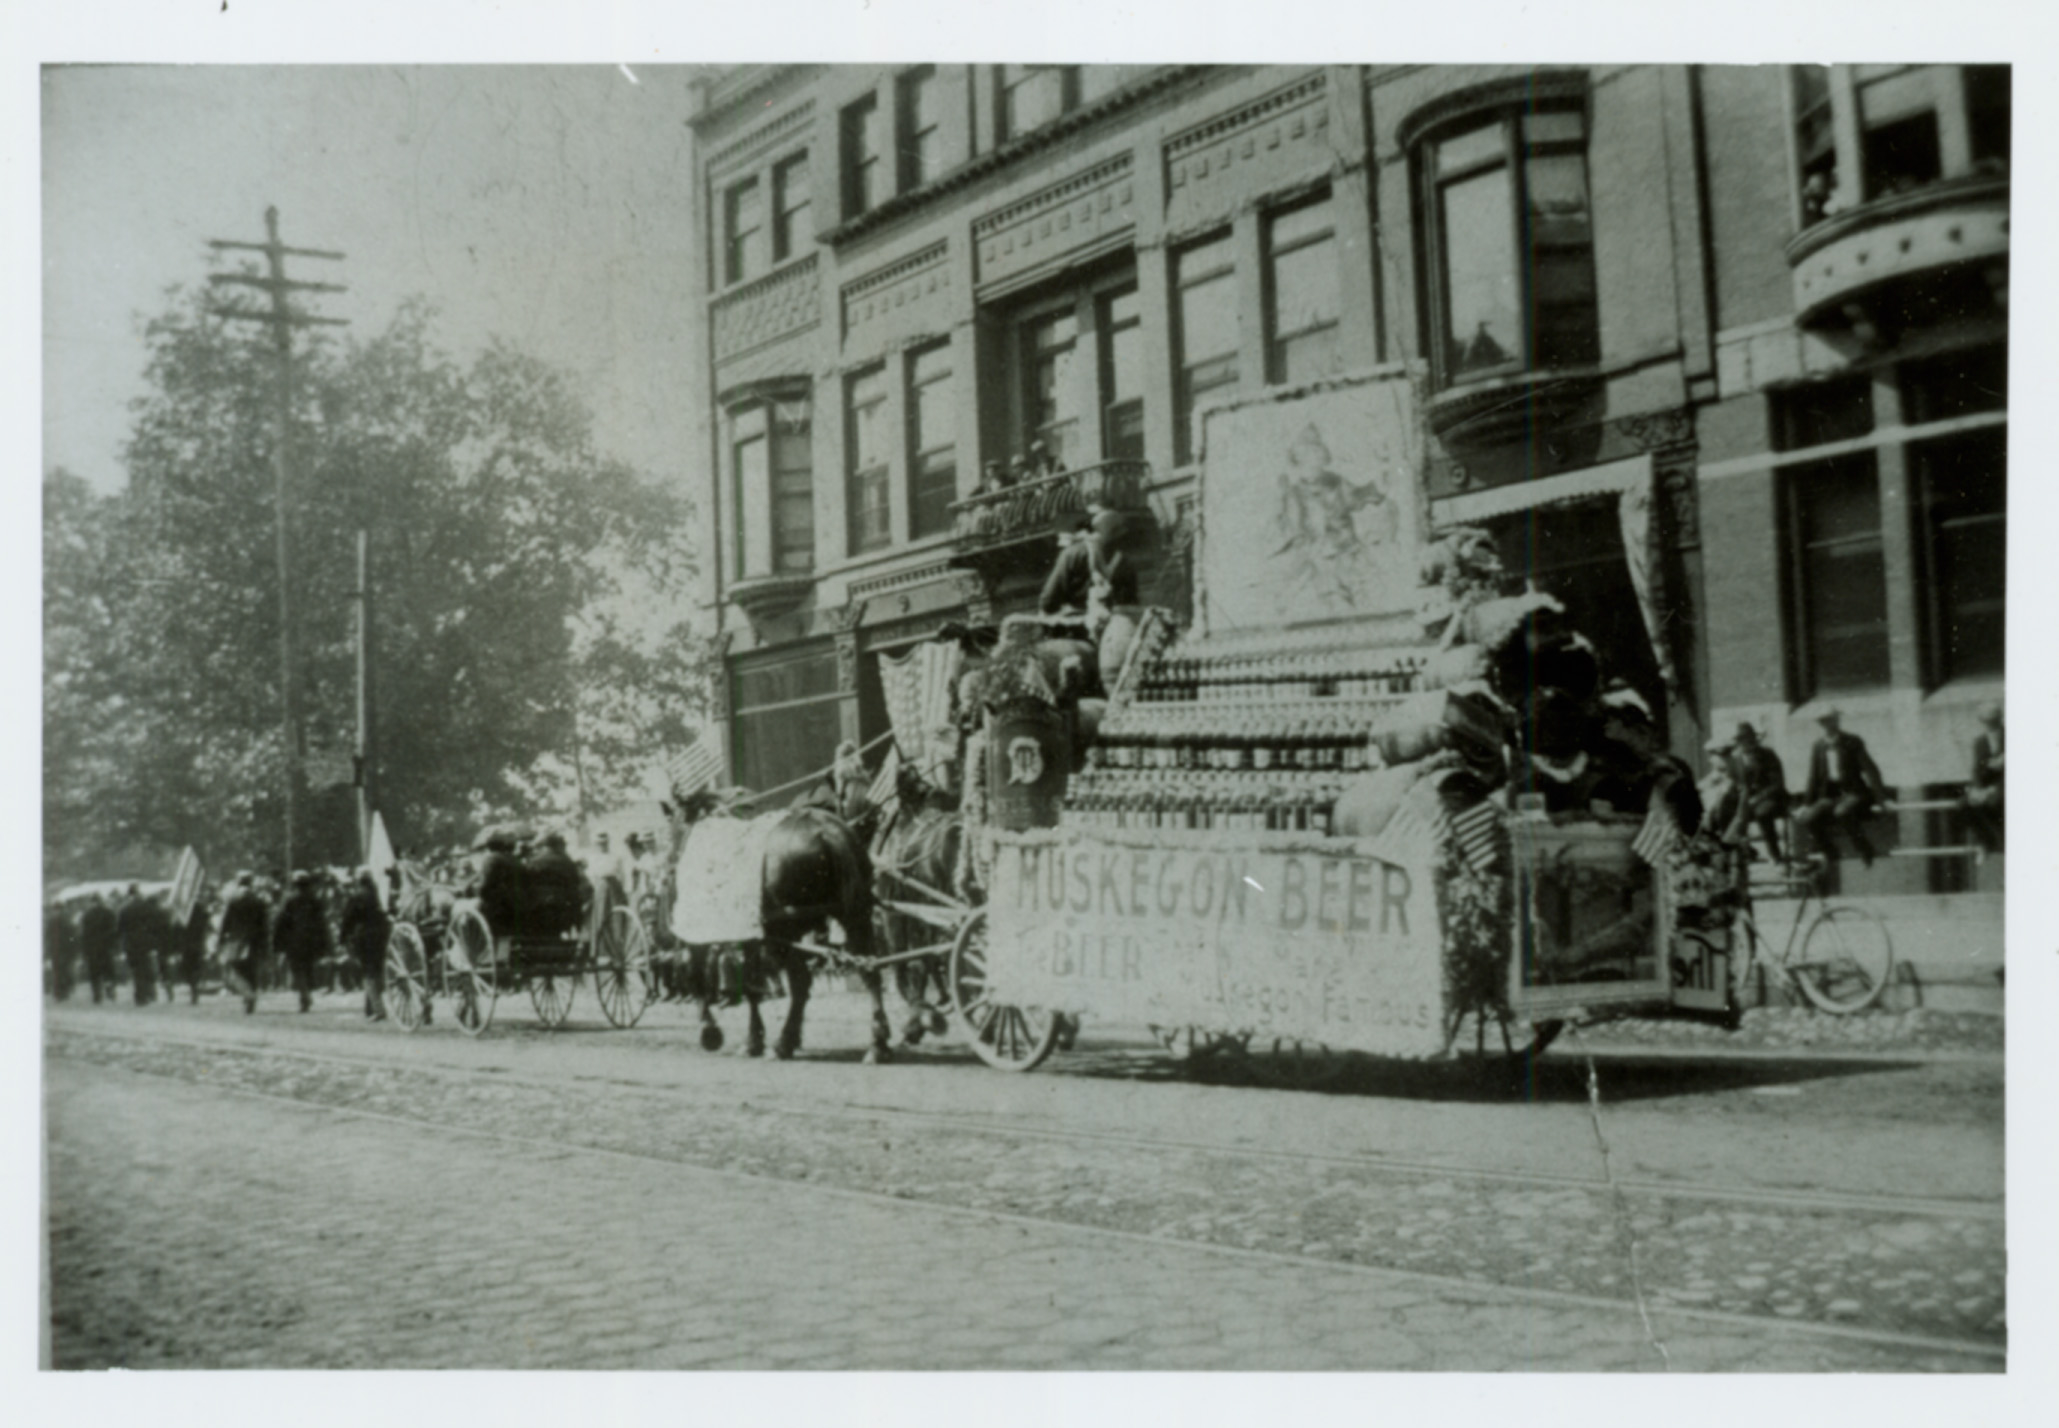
x=785, y=1049
x=913, y=1032
x=878, y=1055
x=937, y=1025
x=711, y=1038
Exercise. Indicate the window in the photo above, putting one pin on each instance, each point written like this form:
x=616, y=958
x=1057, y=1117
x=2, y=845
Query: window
x=1913, y=125
x=1510, y=245
x=787, y=718
x=932, y=441
x=1839, y=574
x=1099, y=79
x=1962, y=491
x=1120, y=325
x=861, y=148
x=772, y=475
x=871, y=524
x=1051, y=393
x=1302, y=301
x=743, y=224
x=1898, y=129
x=1840, y=409
x=921, y=141
x=791, y=195
x=1033, y=94
x=1208, y=334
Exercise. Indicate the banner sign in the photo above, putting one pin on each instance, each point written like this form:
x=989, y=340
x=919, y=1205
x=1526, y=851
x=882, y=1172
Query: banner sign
x=1284, y=935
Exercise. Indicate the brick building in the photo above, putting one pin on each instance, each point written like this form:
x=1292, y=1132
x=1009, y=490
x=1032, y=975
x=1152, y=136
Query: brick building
x=1774, y=298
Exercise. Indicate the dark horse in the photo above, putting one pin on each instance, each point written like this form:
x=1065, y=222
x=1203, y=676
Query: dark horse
x=915, y=857
x=816, y=871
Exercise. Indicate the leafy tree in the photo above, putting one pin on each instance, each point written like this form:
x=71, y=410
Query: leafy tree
x=529, y=611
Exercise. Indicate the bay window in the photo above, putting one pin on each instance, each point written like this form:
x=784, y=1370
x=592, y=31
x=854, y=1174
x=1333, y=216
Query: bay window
x=1509, y=244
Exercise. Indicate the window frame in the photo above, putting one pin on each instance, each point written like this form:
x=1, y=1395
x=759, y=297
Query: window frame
x=1085, y=301
x=1943, y=661
x=860, y=155
x=787, y=238
x=914, y=166
x=1187, y=397
x=921, y=480
x=1277, y=342
x=1961, y=105
x=739, y=244
x=868, y=486
x=1802, y=555
x=1106, y=329
x=1006, y=125
x=1511, y=156
x=757, y=726
x=790, y=545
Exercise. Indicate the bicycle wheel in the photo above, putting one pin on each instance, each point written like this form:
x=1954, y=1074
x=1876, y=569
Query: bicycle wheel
x=1846, y=960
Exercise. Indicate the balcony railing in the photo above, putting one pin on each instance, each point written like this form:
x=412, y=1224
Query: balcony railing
x=1045, y=504
x=1886, y=259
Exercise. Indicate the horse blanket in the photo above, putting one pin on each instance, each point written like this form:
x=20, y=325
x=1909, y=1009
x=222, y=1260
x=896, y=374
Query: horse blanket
x=721, y=880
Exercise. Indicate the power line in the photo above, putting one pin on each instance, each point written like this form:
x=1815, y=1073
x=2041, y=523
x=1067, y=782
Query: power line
x=282, y=319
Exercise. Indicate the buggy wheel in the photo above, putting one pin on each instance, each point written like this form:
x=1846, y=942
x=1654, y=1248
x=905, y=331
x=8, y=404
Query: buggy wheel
x=1008, y=1038
x=470, y=970
x=551, y=995
x=622, y=970
x=407, y=965
x=1847, y=958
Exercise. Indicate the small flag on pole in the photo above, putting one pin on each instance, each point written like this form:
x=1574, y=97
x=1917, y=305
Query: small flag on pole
x=186, y=885
x=1659, y=835
x=1478, y=833
x=692, y=769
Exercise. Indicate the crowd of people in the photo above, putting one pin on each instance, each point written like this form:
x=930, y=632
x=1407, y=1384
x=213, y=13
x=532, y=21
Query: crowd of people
x=317, y=929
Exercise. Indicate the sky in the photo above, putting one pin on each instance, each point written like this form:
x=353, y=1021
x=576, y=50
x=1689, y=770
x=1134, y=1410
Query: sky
x=549, y=206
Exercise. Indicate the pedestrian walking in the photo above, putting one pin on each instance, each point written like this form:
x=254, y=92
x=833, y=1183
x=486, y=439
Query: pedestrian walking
x=99, y=939
x=364, y=930
x=140, y=926
x=301, y=934
x=246, y=939
x=1762, y=799
x=1844, y=790
x=60, y=951
x=192, y=940
x=1984, y=789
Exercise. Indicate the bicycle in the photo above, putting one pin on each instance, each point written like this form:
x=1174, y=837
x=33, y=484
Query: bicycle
x=1846, y=956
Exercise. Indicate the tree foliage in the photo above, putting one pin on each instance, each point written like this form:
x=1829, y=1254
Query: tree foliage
x=529, y=612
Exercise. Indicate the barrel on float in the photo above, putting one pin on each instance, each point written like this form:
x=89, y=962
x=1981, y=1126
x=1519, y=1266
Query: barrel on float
x=1029, y=756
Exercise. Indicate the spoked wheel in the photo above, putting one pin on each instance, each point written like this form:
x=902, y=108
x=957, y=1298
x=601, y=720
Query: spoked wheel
x=1846, y=960
x=551, y=995
x=622, y=977
x=1008, y=1038
x=407, y=969
x=473, y=979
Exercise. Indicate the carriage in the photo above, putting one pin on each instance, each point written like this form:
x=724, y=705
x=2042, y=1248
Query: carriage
x=1327, y=816
x=442, y=946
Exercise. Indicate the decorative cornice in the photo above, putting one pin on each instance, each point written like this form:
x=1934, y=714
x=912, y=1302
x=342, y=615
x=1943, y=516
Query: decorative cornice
x=1289, y=96
x=766, y=309
x=779, y=131
x=744, y=83
x=879, y=277
x=899, y=579
x=1093, y=208
x=1050, y=197
x=1000, y=157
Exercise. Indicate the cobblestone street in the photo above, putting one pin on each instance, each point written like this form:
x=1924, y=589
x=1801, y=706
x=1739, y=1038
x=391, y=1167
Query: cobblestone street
x=331, y=1195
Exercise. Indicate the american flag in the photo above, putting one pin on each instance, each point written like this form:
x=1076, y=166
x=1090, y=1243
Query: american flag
x=1659, y=835
x=692, y=768
x=186, y=885
x=887, y=780
x=1477, y=831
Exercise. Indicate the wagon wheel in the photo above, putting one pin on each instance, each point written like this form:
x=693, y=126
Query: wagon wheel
x=1008, y=1038
x=551, y=994
x=622, y=970
x=407, y=971
x=471, y=970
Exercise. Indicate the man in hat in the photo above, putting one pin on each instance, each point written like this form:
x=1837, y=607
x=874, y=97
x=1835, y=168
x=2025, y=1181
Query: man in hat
x=301, y=934
x=140, y=925
x=1844, y=789
x=99, y=937
x=555, y=891
x=245, y=937
x=500, y=884
x=1091, y=576
x=1761, y=791
x=1984, y=789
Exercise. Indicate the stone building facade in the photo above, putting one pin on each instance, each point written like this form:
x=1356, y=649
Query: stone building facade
x=1775, y=298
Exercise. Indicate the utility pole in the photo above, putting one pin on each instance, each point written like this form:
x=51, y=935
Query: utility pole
x=282, y=320
x=361, y=765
